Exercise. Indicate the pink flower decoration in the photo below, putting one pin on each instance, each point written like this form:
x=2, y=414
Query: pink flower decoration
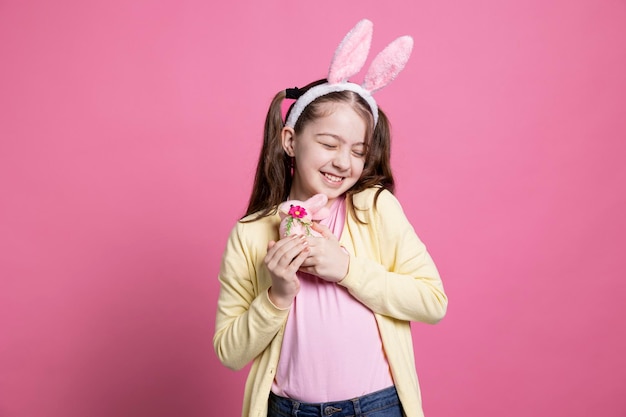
x=297, y=212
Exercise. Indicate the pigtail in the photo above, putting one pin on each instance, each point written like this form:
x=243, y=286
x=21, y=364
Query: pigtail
x=272, y=180
x=377, y=171
x=382, y=164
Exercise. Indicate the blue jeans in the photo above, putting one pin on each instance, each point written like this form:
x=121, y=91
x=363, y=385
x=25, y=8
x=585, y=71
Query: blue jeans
x=384, y=403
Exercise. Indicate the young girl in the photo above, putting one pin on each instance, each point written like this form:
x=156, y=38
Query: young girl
x=325, y=319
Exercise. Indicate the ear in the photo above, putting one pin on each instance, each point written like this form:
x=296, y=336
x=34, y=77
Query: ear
x=283, y=208
x=317, y=205
x=321, y=213
x=351, y=53
x=317, y=201
x=287, y=136
x=388, y=64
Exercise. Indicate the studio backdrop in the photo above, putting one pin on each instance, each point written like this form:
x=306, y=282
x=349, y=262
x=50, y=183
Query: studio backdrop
x=129, y=133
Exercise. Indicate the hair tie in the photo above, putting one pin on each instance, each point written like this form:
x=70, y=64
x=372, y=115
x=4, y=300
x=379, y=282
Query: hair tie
x=293, y=93
x=349, y=58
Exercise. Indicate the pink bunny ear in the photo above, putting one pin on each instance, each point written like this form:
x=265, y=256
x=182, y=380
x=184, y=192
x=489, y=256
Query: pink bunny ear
x=321, y=214
x=351, y=53
x=317, y=206
x=283, y=208
x=388, y=64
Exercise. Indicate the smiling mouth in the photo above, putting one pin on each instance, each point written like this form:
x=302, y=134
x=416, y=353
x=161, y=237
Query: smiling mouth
x=332, y=178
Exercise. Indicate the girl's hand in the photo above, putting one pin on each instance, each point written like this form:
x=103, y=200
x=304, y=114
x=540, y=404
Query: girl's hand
x=283, y=259
x=326, y=258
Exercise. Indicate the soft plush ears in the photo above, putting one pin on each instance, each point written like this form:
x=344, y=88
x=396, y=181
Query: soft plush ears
x=349, y=58
x=296, y=216
x=352, y=52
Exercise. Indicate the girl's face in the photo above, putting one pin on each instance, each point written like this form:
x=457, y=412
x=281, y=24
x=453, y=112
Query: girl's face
x=329, y=153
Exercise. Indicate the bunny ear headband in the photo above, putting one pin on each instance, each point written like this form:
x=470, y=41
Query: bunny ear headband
x=348, y=60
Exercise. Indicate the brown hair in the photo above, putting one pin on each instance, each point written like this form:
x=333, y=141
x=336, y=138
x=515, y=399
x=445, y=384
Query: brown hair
x=272, y=181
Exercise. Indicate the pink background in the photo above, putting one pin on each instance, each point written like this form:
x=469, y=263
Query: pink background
x=129, y=131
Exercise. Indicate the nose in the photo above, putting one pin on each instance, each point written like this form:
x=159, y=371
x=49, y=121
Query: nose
x=342, y=159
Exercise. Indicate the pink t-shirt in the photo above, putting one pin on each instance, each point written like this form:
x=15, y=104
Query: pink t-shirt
x=332, y=349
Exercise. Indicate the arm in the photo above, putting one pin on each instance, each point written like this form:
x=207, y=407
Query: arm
x=404, y=282
x=246, y=320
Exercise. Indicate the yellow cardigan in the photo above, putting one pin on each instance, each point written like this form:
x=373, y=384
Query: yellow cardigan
x=390, y=272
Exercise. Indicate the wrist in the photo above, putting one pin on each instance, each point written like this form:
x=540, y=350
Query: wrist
x=346, y=265
x=281, y=303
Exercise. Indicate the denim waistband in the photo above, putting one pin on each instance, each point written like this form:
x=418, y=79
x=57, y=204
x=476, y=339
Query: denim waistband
x=382, y=399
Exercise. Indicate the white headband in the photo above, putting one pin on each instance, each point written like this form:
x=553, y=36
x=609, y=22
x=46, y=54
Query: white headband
x=348, y=60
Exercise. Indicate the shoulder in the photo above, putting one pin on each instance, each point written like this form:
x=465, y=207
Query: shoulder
x=375, y=199
x=379, y=210
x=254, y=230
x=257, y=218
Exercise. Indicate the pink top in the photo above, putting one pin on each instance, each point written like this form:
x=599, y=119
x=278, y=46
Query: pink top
x=332, y=349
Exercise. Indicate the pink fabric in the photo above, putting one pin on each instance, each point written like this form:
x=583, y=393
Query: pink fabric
x=388, y=64
x=331, y=349
x=351, y=53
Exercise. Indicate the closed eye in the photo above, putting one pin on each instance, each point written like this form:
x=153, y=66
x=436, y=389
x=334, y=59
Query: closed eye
x=359, y=150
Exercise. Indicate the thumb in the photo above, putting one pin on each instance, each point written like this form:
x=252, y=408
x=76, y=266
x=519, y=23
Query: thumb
x=325, y=231
x=270, y=244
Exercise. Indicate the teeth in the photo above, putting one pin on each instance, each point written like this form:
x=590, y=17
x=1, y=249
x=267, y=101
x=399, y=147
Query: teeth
x=333, y=178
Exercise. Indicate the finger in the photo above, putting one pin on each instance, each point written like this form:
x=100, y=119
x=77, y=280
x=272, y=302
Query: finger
x=309, y=260
x=297, y=262
x=312, y=260
x=273, y=249
x=323, y=230
x=284, y=254
x=275, y=246
x=308, y=270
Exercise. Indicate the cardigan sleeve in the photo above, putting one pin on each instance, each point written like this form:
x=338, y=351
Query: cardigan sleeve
x=246, y=320
x=395, y=276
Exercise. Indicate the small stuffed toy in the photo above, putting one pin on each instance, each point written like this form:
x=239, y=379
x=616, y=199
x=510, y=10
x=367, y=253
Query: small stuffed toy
x=297, y=216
